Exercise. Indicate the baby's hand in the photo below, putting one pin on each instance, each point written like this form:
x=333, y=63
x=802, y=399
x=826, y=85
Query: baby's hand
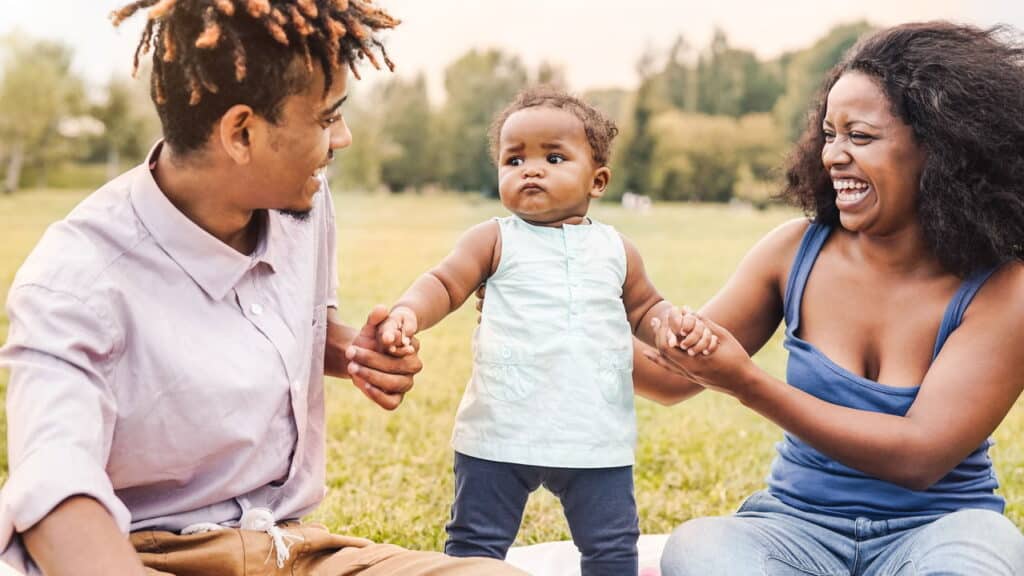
x=395, y=333
x=694, y=336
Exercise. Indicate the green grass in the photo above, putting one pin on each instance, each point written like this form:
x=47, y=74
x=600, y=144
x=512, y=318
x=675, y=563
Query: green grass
x=390, y=473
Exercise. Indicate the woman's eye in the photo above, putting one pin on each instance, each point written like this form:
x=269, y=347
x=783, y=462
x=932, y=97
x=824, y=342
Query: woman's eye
x=860, y=137
x=556, y=158
x=829, y=135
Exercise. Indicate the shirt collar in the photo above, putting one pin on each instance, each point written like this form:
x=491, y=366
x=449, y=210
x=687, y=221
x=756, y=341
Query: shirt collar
x=212, y=264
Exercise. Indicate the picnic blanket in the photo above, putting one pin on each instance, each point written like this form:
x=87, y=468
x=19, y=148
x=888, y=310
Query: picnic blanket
x=563, y=559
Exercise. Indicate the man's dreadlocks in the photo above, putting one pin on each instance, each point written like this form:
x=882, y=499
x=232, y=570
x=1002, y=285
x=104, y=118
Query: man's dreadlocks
x=209, y=55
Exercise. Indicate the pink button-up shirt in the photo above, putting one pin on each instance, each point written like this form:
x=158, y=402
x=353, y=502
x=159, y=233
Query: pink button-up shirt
x=161, y=372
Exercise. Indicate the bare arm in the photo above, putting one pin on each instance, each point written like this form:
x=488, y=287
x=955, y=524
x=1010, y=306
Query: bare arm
x=657, y=383
x=444, y=288
x=756, y=310
x=80, y=537
x=639, y=296
x=965, y=394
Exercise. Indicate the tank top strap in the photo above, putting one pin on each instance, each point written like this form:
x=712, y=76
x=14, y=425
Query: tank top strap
x=958, y=305
x=810, y=246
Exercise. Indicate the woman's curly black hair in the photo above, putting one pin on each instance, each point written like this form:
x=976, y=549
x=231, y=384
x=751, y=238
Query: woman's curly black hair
x=961, y=89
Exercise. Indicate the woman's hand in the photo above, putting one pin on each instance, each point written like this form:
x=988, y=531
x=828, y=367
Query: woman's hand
x=726, y=367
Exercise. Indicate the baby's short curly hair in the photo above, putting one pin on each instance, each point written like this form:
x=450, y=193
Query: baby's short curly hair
x=599, y=129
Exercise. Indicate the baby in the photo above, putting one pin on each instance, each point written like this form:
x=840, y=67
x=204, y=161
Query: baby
x=550, y=400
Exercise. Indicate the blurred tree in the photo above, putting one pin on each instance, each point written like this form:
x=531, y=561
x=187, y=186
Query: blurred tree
x=721, y=75
x=478, y=85
x=359, y=167
x=406, y=126
x=550, y=74
x=806, y=71
x=680, y=81
x=638, y=152
x=37, y=90
x=130, y=124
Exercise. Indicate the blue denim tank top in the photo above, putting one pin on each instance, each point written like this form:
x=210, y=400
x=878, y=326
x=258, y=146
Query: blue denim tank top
x=809, y=480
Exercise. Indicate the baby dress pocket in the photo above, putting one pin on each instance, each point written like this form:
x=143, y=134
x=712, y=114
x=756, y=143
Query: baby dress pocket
x=507, y=373
x=615, y=374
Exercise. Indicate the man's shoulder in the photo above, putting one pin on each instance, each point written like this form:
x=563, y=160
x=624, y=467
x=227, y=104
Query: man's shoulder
x=76, y=251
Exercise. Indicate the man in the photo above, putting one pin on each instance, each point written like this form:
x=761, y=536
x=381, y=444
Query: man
x=168, y=338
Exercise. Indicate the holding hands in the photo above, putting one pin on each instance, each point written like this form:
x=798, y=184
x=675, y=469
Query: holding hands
x=397, y=331
x=701, y=350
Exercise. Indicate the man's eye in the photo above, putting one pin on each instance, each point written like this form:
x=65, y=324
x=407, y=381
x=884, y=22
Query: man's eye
x=332, y=119
x=556, y=158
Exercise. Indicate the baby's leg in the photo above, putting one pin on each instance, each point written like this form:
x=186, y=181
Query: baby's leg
x=488, y=508
x=601, y=511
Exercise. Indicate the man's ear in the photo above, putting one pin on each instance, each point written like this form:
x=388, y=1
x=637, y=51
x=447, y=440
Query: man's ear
x=236, y=130
x=599, y=183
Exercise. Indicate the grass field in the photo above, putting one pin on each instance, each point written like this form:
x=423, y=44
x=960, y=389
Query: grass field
x=390, y=473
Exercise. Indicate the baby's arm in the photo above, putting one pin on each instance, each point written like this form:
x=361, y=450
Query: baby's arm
x=640, y=297
x=444, y=288
x=643, y=304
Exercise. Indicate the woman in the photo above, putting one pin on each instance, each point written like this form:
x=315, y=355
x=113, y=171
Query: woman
x=903, y=300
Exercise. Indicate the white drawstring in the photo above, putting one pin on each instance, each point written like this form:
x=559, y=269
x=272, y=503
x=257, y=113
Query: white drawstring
x=258, y=520
x=262, y=520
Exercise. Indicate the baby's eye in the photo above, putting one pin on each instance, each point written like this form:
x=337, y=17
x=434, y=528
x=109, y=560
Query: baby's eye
x=514, y=161
x=555, y=158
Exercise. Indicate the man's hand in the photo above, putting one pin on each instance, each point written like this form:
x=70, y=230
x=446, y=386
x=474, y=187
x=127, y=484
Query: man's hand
x=358, y=355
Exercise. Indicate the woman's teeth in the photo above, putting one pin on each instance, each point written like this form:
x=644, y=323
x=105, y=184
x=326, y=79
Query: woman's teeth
x=850, y=190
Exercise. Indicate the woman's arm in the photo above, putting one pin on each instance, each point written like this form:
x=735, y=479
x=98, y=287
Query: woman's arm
x=965, y=394
x=750, y=304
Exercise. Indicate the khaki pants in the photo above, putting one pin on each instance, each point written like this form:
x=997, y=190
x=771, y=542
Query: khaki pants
x=233, y=552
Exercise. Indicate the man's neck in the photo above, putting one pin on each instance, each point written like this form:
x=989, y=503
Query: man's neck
x=200, y=190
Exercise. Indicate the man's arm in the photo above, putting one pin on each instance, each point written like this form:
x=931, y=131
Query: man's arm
x=80, y=537
x=61, y=414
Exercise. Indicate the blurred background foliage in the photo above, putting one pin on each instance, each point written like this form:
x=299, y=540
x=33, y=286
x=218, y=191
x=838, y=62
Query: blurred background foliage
x=709, y=124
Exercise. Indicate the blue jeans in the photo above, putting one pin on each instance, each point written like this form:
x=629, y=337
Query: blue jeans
x=598, y=503
x=768, y=538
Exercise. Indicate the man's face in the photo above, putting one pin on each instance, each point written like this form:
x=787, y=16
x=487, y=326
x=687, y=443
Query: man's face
x=289, y=162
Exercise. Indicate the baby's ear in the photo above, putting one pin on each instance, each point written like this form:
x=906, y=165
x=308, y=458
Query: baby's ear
x=599, y=183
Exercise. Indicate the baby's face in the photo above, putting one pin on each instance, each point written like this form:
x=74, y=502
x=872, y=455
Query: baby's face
x=546, y=174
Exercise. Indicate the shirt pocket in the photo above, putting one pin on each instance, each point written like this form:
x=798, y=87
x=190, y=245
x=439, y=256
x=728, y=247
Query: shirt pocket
x=508, y=373
x=615, y=373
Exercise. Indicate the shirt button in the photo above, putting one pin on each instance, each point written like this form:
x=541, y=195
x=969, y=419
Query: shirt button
x=256, y=309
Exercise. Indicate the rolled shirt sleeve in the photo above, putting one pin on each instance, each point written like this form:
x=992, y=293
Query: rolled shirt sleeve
x=60, y=409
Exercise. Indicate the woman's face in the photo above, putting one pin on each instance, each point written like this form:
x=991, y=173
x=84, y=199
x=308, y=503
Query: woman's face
x=872, y=157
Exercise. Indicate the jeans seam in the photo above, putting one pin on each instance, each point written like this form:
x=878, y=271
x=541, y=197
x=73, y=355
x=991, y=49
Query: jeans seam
x=792, y=564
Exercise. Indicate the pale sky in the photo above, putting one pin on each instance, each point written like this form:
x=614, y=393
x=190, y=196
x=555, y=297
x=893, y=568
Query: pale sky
x=596, y=42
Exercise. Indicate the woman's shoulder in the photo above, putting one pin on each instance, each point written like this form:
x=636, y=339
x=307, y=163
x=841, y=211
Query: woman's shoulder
x=1003, y=292
x=778, y=247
